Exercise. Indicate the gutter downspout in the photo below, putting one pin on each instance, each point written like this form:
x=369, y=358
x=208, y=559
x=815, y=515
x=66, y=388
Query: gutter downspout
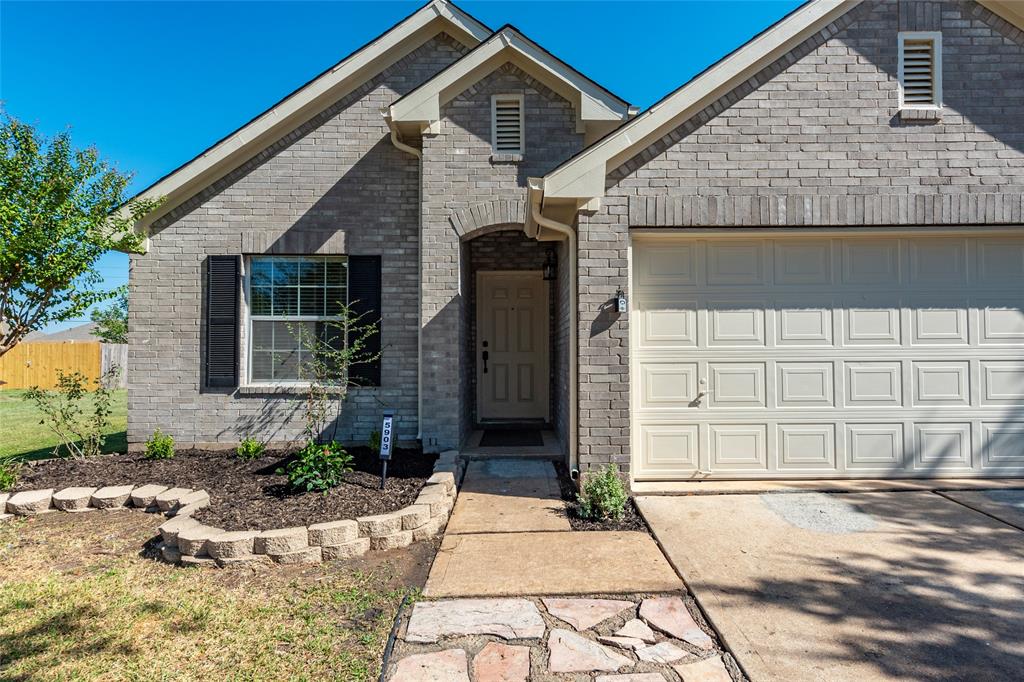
x=397, y=141
x=535, y=219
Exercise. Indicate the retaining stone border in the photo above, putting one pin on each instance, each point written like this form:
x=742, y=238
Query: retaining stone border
x=187, y=542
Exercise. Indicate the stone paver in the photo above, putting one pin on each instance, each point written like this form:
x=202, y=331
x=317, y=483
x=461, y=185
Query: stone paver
x=631, y=677
x=169, y=529
x=636, y=629
x=594, y=562
x=30, y=502
x=441, y=666
x=306, y=555
x=282, y=540
x=506, y=618
x=669, y=615
x=111, y=497
x=499, y=662
x=585, y=613
x=73, y=499
x=662, y=652
x=232, y=545
x=573, y=653
x=333, y=532
x=346, y=550
x=145, y=495
x=168, y=499
x=709, y=670
x=628, y=643
x=379, y=524
x=192, y=539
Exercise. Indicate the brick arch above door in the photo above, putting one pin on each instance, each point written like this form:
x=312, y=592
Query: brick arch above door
x=488, y=216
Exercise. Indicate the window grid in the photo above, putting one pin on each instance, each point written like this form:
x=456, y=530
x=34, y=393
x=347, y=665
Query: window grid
x=285, y=292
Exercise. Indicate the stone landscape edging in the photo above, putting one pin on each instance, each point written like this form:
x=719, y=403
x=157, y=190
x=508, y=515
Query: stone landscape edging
x=187, y=542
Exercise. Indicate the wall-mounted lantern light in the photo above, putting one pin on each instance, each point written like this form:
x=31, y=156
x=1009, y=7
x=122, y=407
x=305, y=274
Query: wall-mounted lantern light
x=550, y=266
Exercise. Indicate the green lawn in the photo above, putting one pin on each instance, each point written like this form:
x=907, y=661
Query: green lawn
x=22, y=436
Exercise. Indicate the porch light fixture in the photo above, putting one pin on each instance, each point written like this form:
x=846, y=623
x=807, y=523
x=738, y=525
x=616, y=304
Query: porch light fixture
x=550, y=266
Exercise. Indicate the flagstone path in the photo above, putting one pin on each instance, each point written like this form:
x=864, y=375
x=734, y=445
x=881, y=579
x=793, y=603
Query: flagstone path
x=521, y=640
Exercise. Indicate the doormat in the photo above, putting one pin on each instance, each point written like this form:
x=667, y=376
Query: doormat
x=511, y=438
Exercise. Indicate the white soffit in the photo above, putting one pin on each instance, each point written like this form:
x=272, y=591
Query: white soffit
x=593, y=103
x=1010, y=10
x=583, y=176
x=435, y=17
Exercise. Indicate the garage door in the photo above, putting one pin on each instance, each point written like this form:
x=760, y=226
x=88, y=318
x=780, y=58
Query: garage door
x=797, y=357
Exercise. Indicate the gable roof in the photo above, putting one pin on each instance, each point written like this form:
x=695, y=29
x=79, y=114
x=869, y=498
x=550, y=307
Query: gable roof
x=592, y=102
x=293, y=110
x=582, y=177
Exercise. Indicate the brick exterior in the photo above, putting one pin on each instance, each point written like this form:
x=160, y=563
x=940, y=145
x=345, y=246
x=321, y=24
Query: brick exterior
x=459, y=180
x=319, y=189
x=814, y=139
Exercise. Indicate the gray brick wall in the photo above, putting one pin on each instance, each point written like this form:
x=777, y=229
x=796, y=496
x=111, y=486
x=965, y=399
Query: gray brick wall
x=818, y=129
x=335, y=185
x=459, y=175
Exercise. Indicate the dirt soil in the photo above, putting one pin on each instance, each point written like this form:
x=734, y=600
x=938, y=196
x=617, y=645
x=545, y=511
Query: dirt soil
x=631, y=519
x=248, y=494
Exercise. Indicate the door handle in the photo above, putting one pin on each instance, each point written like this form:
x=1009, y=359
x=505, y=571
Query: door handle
x=485, y=356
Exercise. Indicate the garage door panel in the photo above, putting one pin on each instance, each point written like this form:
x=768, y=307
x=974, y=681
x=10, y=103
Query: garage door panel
x=829, y=357
x=803, y=262
x=806, y=446
x=735, y=324
x=672, y=265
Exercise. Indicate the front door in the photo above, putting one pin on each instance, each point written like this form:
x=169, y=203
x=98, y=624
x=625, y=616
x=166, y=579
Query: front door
x=512, y=345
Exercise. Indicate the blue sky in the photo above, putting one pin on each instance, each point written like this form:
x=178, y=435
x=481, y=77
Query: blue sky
x=152, y=84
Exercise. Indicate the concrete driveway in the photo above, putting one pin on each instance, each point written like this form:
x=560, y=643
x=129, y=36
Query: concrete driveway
x=861, y=586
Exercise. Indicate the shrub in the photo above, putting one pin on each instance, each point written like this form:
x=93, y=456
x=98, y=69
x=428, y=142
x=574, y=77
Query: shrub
x=603, y=496
x=250, y=448
x=9, y=471
x=160, y=446
x=373, y=442
x=75, y=414
x=317, y=466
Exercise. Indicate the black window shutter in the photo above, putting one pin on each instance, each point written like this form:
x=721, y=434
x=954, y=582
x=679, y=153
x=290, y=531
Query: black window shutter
x=222, y=297
x=365, y=299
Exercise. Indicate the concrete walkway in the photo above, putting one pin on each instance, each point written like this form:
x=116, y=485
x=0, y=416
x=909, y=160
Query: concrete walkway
x=509, y=535
x=859, y=586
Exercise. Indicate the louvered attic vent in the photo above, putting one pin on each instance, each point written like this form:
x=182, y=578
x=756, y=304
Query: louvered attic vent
x=920, y=69
x=507, y=124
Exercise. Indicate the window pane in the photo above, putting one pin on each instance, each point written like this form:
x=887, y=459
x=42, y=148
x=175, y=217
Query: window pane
x=262, y=272
x=262, y=335
x=311, y=272
x=337, y=272
x=261, y=300
x=262, y=366
x=286, y=300
x=311, y=301
x=286, y=272
x=286, y=366
x=335, y=299
x=330, y=335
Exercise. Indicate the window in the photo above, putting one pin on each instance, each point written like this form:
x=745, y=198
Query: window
x=507, y=124
x=920, y=70
x=285, y=293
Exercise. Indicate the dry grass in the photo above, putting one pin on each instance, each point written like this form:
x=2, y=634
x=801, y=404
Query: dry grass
x=77, y=601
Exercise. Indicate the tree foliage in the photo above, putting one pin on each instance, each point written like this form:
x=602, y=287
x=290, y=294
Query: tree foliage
x=61, y=208
x=112, y=321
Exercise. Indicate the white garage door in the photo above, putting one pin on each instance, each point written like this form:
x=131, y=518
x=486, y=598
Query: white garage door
x=797, y=357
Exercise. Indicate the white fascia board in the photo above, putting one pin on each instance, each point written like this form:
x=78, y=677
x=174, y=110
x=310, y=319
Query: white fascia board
x=423, y=105
x=308, y=101
x=584, y=175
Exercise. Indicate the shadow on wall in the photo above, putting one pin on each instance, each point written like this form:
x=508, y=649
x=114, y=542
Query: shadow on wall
x=917, y=616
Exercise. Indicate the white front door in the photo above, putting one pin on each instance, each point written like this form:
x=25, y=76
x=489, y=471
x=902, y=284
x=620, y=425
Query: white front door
x=512, y=345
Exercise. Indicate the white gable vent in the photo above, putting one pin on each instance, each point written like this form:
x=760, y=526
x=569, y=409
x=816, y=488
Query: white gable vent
x=920, y=70
x=507, y=124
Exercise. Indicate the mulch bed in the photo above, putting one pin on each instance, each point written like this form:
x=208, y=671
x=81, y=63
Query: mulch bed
x=248, y=495
x=631, y=519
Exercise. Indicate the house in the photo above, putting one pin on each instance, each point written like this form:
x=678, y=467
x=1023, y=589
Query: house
x=806, y=262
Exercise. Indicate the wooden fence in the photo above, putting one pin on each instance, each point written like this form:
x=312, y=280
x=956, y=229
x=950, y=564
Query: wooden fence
x=35, y=363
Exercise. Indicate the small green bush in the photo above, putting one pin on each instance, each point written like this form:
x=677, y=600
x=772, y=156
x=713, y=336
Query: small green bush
x=160, y=446
x=9, y=472
x=373, y=442
x=603, y=496
x=318, y=466
x=250, y=448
